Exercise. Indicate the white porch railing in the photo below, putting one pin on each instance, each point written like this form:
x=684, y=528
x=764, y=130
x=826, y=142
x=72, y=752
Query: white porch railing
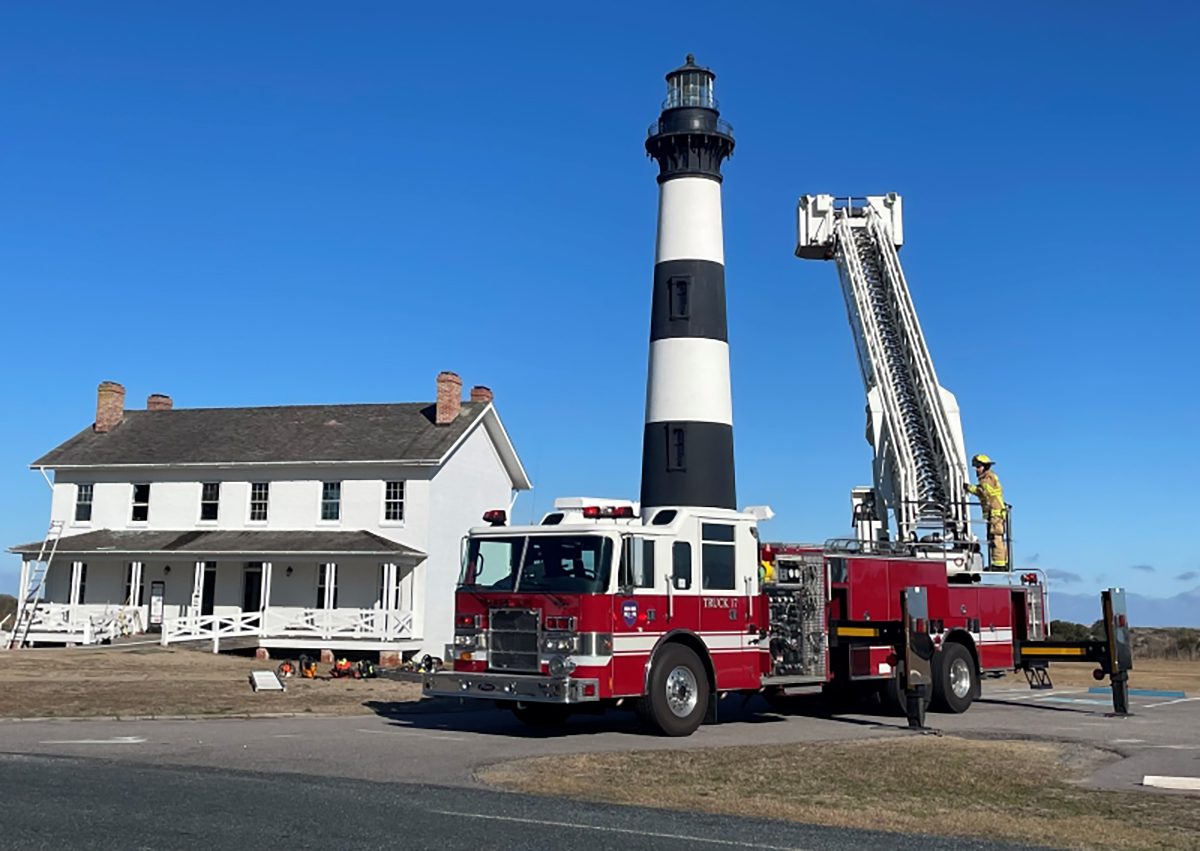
x=192, y=627
x=377, y=624
x=373, y=624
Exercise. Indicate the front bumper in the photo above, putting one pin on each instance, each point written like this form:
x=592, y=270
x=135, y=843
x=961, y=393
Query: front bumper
x=523, y=687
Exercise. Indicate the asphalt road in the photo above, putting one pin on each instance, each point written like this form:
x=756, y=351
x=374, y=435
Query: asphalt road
x=54, y=803
x=407, y=779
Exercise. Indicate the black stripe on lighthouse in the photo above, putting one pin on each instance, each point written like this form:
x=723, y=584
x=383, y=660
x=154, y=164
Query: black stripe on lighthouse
x=687, y=445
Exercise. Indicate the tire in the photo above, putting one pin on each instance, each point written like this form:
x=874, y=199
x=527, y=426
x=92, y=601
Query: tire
x=955, y=678
x=678, y=698
x=541, y=716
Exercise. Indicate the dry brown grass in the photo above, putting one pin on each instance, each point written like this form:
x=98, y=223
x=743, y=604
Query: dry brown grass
x=1147, y=673
x=168, y=681
x=1016, y=791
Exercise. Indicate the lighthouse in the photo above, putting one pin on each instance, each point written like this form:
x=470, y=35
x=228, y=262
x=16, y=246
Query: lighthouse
x=687, y=446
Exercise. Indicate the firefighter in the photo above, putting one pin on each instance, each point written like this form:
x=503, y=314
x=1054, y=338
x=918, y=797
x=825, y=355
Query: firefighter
x=991, y=498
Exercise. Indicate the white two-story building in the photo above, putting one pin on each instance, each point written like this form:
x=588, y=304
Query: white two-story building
x=327, y=527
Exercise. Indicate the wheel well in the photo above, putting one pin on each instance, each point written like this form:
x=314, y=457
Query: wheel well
x=964, y=638
x=693, y=643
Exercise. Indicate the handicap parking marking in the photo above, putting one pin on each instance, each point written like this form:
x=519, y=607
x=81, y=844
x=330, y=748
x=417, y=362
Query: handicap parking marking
x=1141, y=692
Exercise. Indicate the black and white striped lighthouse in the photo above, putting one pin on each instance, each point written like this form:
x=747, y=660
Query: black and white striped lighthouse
x=687, y=449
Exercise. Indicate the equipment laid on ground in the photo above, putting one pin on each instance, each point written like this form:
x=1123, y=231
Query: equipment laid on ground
x=665, y=605
x=266, y=681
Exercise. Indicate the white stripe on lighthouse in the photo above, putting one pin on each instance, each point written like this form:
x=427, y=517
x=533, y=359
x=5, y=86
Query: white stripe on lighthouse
x=689, y=381
x=689, y=220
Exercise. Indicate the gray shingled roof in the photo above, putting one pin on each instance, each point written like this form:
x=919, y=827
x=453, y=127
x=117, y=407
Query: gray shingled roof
x=216, y=542
x=296, y=433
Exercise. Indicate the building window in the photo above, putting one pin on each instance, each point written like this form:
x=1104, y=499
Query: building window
x=83, y=503
x=676, y=447
x=679, y=292
x=717, y=557
x=141, y=503
x=83, y=583
x=393, y=501
x=259, y=494
x=128, y=584
x=331, y=501
x=210, y=500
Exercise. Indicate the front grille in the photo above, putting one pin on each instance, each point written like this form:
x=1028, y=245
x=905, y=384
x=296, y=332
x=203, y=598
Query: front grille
x=513, y=639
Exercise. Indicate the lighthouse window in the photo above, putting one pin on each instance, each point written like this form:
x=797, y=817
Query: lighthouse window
x=676, y=447
x=679, y=292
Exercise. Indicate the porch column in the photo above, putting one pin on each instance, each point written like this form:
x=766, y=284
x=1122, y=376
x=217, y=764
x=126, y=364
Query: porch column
x=23, y=584
x=330, y=584
x=389, y=597
x=330, y=569
x=197, y=596
x=76, y=580
x=135, y=584
x=264, y=598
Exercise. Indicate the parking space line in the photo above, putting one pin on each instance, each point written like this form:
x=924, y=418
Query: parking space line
x=1170, y=702
x=418, y=733
x=733, y=843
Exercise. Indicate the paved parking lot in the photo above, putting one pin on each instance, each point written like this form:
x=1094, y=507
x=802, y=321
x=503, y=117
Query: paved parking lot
x=1162, y=736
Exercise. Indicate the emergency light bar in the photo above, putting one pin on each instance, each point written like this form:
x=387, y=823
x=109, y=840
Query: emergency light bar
x=497, y=516
x=593, y=512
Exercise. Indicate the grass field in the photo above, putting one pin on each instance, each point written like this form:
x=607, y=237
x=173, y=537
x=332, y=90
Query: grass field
x=158, y=681
x=1000, y=790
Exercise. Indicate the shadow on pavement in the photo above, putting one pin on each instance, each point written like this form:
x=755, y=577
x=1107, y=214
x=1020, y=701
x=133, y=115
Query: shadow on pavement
x=476, y=716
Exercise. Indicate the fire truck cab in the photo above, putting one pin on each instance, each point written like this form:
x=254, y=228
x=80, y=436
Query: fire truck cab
x=598, y=606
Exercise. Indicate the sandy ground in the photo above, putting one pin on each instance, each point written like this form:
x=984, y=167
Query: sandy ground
x=154, y=681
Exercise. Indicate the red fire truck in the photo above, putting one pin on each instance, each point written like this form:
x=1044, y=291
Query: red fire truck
x=597, y=607
x=600, y=605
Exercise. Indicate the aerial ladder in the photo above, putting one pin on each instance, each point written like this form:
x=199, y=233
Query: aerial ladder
x=913, y=423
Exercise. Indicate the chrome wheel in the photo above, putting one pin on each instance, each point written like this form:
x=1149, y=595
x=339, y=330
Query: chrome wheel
x=681, y=691
x=960, y=678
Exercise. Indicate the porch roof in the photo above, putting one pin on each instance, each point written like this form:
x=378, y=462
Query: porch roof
x=225, y=542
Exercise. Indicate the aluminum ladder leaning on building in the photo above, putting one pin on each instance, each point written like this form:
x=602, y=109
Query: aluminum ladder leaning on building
x=913, y=423
x=32, y=585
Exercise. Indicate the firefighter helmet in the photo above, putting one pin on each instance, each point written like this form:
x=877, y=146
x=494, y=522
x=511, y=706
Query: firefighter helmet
x=982, y=460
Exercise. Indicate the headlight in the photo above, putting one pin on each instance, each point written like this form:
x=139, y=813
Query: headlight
x=468, y=641
x=559, y=666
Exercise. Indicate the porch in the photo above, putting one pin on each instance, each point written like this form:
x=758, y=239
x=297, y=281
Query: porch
x=285, y=590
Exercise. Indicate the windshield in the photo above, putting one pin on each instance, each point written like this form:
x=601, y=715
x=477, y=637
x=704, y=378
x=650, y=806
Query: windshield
x=577, y=564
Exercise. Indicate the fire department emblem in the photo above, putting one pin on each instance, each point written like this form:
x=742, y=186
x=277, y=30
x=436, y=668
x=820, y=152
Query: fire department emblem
x=629, y=610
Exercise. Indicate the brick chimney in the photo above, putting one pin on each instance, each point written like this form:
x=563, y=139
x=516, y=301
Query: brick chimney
x=159, y=402
x=110, y=406
x=449, y=397
x=479, y=393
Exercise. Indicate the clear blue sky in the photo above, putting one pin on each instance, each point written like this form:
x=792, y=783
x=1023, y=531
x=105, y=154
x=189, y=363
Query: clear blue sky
x=310, y=202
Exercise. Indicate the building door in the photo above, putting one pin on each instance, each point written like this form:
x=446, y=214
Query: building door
x=252, y=587
x=209, y=589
